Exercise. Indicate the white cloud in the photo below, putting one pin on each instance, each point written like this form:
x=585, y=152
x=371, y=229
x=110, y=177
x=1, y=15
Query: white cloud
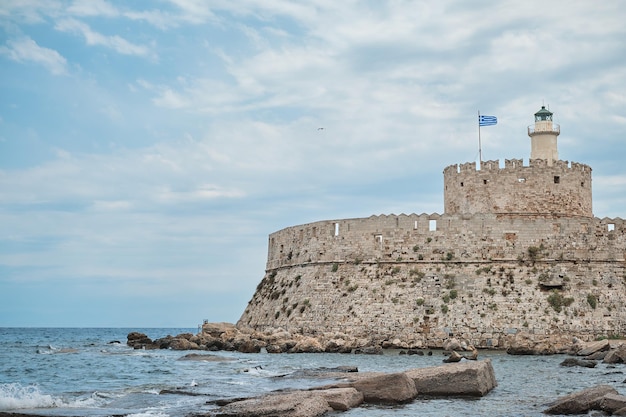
x=27, y=50
x=115, y=42
x=93, y=8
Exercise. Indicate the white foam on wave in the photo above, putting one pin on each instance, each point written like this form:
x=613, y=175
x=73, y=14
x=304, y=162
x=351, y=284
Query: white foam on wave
x=15, y=396
x=149, y=413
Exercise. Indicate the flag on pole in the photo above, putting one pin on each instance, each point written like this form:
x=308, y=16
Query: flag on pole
x=487, y=120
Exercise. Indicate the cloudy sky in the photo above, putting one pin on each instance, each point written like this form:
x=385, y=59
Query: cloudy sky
x=148, y=149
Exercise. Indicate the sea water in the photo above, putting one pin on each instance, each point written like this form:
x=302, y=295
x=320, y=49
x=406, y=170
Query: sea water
x=91, y=372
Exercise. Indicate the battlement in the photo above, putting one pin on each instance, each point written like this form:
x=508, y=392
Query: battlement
x=514, y=164
x=539, y=188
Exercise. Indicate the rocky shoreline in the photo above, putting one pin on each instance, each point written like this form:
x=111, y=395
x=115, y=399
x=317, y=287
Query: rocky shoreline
x=470, y=377
x=229, y=337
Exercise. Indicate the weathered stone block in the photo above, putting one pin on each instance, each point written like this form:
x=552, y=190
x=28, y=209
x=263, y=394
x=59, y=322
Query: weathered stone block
x=463, y=378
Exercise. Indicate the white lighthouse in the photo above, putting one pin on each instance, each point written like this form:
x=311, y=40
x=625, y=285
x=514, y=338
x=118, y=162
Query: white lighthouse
x=543, y=136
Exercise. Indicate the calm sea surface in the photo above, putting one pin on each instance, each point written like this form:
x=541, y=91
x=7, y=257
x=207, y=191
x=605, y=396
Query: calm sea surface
x=86, y=372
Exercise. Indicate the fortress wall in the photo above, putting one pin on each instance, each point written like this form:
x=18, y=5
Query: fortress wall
x=475, y=238
x=502, y=269
x=537, y=188
x=422, y=304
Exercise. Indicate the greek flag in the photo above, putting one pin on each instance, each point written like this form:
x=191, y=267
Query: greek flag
x=487, y=120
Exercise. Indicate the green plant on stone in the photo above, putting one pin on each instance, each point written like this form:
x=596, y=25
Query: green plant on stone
x=557, y=301
x=592, y=300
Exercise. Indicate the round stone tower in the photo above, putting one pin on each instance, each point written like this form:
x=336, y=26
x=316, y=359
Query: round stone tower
x=547, y=186
x=543, y=137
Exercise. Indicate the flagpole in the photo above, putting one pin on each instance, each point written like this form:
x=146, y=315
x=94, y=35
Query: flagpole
x=480, y=151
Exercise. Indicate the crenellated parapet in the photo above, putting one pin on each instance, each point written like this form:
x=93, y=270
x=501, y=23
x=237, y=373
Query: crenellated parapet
x=430, y=237
x=539, y=188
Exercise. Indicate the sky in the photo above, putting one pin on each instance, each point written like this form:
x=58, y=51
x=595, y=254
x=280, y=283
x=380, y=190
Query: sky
x=148, y=149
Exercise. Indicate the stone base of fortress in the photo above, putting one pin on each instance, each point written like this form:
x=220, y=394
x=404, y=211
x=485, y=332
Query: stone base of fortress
x=422, y=279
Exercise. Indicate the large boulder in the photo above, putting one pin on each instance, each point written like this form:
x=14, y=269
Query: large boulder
x=307, y=345
x=342, y=399
x=475, y=378
x=294, y=404
x=217, y=329
x=594, y=347
x=612, y=403
x=581, y=402
x=396, y=388
x=139, y=340
x=616, y=355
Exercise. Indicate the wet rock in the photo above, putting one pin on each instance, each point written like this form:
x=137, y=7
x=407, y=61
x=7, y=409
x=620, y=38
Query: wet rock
x=250, y=346
x=594, y=347
x=616, y=355
x=475, y=378
x=473, y=355
x=138, y=340
x=204, y=358
x=454, y=357
x=369, y=350
x=295, y=404
x=580, y=402
x=570, y=362
x=396, y=388
x=335, y=346
x=342, y=399
x=611, y=403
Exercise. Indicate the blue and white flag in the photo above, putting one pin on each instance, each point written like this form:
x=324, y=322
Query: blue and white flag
x=487, y=120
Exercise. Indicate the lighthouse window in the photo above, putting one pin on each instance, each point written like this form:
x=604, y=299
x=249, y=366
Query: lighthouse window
x=432, y=225
x=336, y=229
x=521, y=180
x=557, y=179
x=611, y=227
x=485, y=181
x=461, y=184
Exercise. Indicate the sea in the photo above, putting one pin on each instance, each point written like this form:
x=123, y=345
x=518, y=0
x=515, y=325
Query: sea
x=91, y=372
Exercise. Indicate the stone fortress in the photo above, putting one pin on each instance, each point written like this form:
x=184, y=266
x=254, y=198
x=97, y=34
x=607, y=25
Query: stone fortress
x=516, y=251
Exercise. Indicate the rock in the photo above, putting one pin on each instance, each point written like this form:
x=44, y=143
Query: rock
x=337, y=346
x=205, y=358
x=272, y=348
x=182, y=344
x=472, y=356
x=611, y=403
x=250, y=346
x=578, y=362
x=294, y=404
x=369, y=350
x=580, y=402
x=415, y=352
x=138, y=340
x=593, y=347
x=452, y=345
x=307, y=345
x=342, y=399
x=616, y=355
x=598, y=356
x=454, y=357
x=474, y=378
x=217, y=329
x=396, y=388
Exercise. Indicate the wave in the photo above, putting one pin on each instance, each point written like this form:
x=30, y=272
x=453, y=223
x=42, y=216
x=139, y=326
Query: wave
x=15, y=396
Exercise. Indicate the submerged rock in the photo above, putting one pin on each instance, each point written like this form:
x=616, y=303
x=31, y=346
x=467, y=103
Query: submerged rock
x=581, y=402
